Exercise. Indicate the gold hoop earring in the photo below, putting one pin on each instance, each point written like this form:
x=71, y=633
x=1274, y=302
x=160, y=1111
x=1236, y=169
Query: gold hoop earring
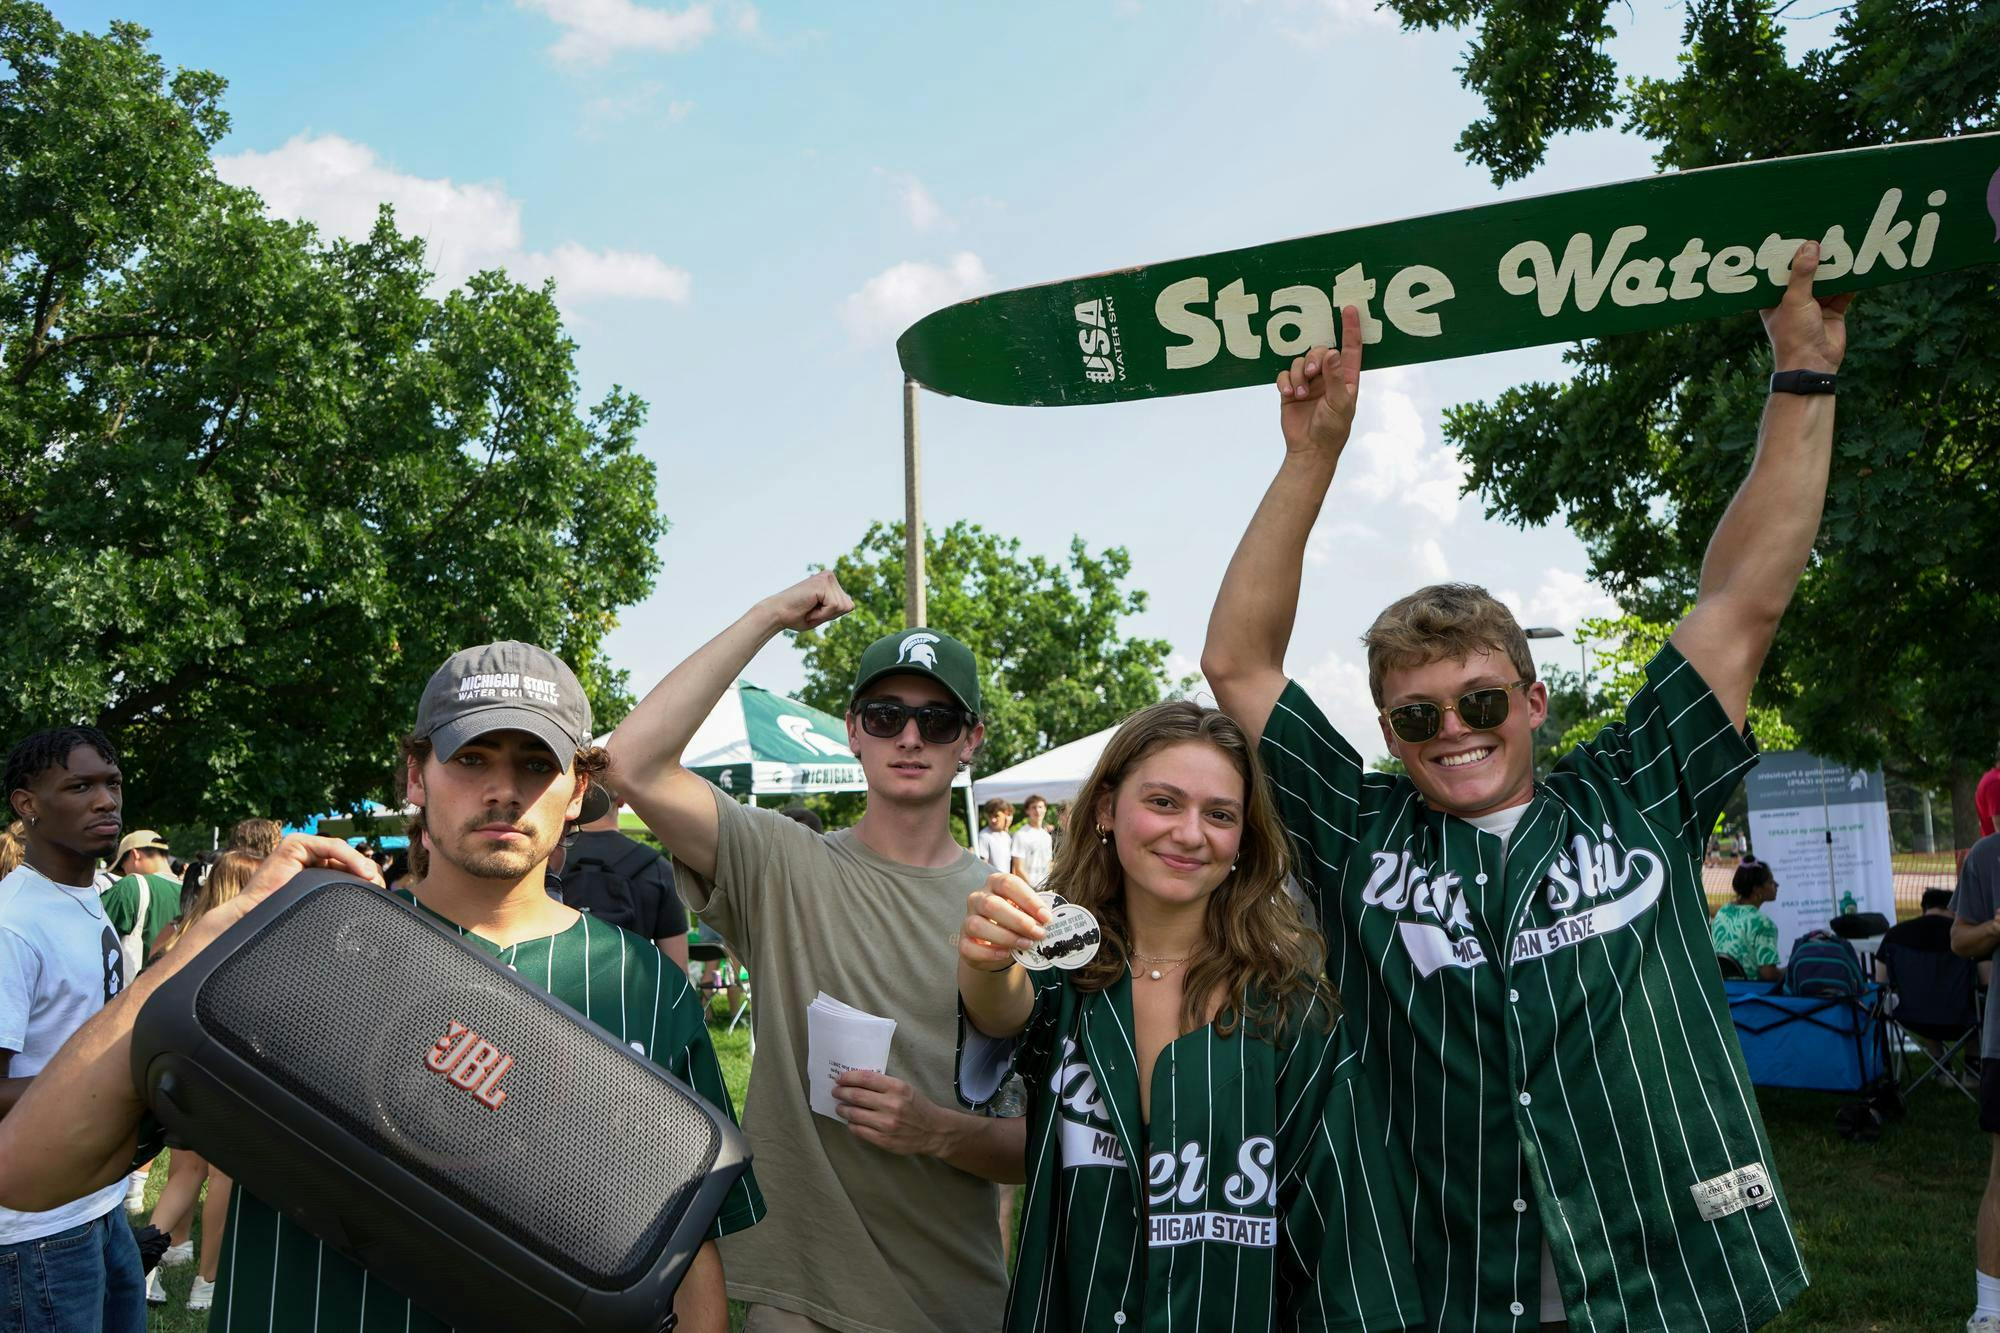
x=1103, y=836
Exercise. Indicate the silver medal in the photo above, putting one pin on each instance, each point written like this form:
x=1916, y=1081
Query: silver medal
x=1071, y=938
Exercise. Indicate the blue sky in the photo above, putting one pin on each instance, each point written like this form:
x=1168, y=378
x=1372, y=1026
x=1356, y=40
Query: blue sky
x=744, y=204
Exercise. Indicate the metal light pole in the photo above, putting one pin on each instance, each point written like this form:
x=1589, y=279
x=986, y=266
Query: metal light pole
x=1582, y=657
x=913, y=511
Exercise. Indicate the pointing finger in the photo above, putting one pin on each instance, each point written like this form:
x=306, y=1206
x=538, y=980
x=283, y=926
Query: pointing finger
x=1350, y=345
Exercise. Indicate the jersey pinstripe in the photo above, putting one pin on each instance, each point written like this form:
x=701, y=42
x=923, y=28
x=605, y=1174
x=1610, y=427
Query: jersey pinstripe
x=1256, y=1199
x=1546, y=1032
x=276, y=1276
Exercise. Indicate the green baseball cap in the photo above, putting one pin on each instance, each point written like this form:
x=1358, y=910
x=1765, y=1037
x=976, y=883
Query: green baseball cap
x=921, y=652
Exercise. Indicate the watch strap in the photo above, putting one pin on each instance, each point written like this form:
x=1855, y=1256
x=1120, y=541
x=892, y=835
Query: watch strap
x=1803, y=381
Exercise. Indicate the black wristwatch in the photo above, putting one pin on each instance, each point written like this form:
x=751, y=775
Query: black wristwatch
x=1802, y=381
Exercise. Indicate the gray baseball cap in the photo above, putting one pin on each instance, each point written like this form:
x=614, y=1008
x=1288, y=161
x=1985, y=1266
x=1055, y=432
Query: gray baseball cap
x=509, y=686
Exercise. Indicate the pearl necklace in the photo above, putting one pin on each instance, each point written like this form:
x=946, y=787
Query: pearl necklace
x=1155, y=973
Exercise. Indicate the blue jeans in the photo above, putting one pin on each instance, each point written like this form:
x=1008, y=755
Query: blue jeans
x=84, y=1280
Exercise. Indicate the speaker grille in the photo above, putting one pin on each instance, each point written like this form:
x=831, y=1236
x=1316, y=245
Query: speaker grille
x=587, y=1161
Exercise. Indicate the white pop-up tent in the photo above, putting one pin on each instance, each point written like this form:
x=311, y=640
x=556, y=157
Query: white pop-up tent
x=1053, y=775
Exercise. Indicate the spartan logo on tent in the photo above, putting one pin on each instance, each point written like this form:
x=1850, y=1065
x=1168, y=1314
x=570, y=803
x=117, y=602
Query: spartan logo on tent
x=917, y=651
x=801, y=730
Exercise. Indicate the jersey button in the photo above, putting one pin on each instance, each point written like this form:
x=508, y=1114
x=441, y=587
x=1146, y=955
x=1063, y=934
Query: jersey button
x=1526, y=1099
x=1517, y=1309
x=1119, y=1319
x=1513, y=996
x=1479, y=878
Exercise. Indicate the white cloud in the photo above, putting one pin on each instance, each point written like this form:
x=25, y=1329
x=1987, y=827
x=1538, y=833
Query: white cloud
x=1315, y=23
x=1338, y=683
x=582, y=274
x=1392, y=458
x=895, y=298
x=748, y=21
x=1428, y=558
x=595, y=30
x=919, y=207
x=337, y=184
x=1341, y=538
x=1562, y=600
x=610, y=109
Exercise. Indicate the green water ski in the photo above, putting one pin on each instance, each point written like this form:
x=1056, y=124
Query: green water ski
x=1555, y=268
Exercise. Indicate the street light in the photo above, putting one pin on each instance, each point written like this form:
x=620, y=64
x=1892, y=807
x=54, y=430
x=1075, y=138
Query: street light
x=1582, y=656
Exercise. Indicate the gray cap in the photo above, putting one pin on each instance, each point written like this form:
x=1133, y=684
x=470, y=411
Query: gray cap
x=509, y=686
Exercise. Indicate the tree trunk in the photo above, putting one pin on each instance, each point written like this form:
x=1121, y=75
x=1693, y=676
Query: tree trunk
x=1964, y=817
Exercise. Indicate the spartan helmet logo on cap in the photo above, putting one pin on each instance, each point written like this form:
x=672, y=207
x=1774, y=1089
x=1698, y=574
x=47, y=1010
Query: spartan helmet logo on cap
x=917, y=651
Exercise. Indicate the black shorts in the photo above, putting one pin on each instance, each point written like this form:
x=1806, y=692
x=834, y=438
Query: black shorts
x=1989, y=1096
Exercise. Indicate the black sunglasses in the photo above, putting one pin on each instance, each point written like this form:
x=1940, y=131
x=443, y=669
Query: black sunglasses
x=1479, y=710
x=939, y=724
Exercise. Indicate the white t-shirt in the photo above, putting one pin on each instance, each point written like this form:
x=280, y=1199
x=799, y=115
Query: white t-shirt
x=996, y=849
x=1501, y=824
x=59, y=964
x=1033, y=848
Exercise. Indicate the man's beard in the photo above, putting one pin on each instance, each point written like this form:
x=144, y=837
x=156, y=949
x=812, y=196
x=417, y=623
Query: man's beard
x=484, y=860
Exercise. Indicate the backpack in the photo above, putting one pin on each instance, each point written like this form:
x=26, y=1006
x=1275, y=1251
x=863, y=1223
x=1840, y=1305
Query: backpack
x=1822, y=964
x=604, y=888
x=133, y=945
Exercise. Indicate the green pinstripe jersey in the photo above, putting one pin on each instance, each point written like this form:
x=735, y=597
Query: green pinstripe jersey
x=277, y=1277
x=1546, y=1031
x=1255, y=1199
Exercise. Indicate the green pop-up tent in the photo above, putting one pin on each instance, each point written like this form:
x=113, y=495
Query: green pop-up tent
x=757, y=743
x=762, y=744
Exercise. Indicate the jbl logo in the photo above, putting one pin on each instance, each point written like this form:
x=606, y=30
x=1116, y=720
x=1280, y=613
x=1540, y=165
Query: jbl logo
x=470, y=1062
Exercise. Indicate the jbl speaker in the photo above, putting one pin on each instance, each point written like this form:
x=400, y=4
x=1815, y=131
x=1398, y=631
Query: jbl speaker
x=424, y=1111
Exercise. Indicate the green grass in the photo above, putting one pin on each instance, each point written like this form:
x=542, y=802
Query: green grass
x=1886, y=1227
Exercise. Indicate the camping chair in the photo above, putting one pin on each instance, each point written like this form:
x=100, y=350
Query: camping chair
x=1934, y=997
x=1731, y=969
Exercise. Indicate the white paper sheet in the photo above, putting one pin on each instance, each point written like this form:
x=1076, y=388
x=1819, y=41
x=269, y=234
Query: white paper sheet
x=840, y=1037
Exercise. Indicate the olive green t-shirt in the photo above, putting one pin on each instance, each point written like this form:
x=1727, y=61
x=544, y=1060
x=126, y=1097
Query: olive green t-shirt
x=857, y=1238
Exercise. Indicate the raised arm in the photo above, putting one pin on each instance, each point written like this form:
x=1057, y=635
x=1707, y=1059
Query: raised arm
x=78, y=1125
x=1760, y=547
x=645, y=751
x=1251, y=625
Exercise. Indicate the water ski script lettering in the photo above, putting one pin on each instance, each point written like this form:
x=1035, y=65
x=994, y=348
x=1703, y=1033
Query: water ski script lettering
x=1582, y=264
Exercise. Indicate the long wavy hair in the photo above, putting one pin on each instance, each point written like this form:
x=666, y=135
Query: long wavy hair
x=1257, y=951
x=225, y=879
x=208, y=885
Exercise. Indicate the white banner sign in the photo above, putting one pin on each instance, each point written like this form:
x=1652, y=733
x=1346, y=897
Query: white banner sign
x=1824, y=830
